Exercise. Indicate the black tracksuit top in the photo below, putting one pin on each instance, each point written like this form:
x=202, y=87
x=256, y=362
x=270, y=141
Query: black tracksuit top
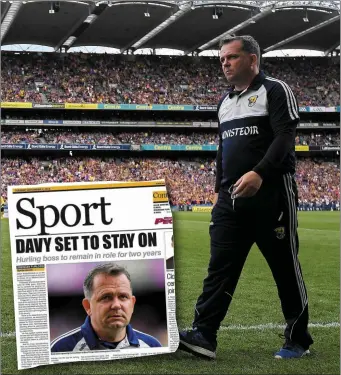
x=257, y=129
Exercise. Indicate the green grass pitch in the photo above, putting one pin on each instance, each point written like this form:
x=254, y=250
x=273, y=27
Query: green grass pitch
x=250, y=332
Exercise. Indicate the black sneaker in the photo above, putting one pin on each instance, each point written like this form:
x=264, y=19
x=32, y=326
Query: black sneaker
x=195, y=343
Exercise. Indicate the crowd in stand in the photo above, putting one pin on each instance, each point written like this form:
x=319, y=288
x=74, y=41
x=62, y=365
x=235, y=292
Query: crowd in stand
x=141, y=137
x=15, y=87
x=189, y=181
x=148, y=137
x=319, y=184
x=91, y=78
x=318, y=139
x=307, y=78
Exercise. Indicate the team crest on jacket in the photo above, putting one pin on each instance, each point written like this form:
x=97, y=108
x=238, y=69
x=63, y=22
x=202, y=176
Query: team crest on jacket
x=280, y=232
x=252, y=100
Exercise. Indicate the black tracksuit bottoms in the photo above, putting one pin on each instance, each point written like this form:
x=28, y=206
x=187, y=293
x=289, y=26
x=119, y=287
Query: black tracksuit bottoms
x=268, y=219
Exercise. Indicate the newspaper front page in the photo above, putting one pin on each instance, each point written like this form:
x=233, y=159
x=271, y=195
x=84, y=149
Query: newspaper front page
x=62, y=237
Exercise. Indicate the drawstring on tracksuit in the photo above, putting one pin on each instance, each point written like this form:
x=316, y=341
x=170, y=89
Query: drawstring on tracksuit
x=230, y=190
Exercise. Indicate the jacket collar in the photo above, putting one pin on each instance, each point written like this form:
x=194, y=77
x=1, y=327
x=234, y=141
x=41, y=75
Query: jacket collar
x=254, y=85
x=93, y=341
x=257, y=81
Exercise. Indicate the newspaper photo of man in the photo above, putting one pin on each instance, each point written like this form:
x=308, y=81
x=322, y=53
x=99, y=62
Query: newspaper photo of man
x=109, y=304
x=170, y=252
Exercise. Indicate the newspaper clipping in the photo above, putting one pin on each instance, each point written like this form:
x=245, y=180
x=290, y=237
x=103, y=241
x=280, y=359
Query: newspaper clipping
x=93, y=271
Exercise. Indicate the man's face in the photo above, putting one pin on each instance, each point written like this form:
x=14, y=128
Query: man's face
x=236, y=64
x=111, y=304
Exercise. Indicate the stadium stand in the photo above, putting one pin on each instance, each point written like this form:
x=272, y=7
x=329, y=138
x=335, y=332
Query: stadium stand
x=190, y=181
x=172, y=98
x=80, y=78
x=146, y=137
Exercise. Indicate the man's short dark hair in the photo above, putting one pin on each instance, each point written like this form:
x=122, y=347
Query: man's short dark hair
x=110, y=269
x=249, y=44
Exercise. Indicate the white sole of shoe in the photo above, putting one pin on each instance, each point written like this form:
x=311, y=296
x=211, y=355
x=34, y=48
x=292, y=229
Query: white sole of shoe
x=199, y=350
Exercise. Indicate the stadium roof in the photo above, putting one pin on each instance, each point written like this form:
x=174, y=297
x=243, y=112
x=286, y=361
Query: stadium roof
x=190, y=26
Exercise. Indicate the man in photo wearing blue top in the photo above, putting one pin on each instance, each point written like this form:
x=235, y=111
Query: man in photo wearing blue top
x=109, y=304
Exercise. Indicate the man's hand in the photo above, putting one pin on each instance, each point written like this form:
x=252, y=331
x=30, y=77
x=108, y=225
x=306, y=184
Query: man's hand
x=215, y=199
x=247, y=185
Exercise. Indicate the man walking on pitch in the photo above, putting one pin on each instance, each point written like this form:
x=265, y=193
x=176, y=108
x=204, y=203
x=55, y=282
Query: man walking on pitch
x=255, y=200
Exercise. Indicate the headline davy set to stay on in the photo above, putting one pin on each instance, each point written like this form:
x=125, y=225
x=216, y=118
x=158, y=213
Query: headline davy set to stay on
x=80, y=224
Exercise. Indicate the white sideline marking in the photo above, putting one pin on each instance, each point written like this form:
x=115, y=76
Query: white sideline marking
x=263, y=327
x=240, y=327
x=318, y=230
x=299, y=228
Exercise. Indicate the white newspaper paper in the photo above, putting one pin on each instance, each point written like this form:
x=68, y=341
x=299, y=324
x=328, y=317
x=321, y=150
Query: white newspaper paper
x=59, y=233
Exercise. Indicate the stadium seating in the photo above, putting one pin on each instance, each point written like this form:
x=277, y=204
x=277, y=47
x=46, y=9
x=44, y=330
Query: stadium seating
x=190, y=181
x=146, y=137
x=91, y=78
